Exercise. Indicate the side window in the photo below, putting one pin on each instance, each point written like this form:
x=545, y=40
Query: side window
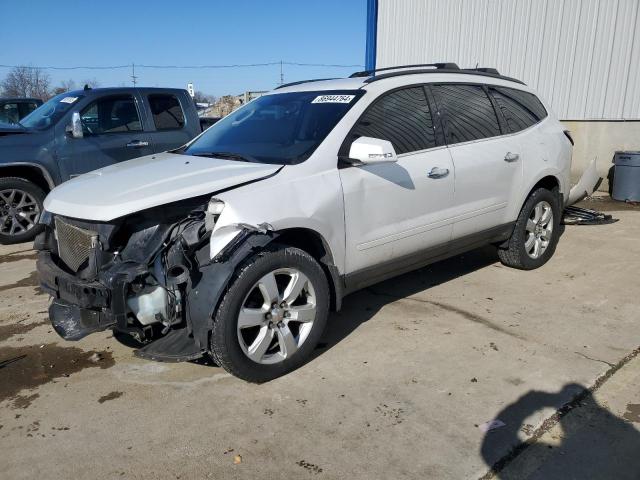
x=9, y=113
x=167, y=112
x=111, y=115
x=402, y=117
x=468, y=112
x=520, y=109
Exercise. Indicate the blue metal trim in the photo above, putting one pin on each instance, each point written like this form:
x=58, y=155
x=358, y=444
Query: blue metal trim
x=372, y=35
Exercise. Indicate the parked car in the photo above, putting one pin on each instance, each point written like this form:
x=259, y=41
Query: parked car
x=79, y=131
x=240, y=243
x=12, y=110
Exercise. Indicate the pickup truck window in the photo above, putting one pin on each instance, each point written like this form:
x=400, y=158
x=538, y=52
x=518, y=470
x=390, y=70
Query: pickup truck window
x=49, y=113
x=281, y=128
x=167, y=112
x=112, y=114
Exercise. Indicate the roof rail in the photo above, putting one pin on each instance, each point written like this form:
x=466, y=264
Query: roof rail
x=486, y=70
x=439, y=66
x=480, y=72
x=299, y=82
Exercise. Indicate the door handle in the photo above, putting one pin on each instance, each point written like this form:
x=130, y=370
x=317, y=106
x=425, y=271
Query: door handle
x=137, y=144
x=511, y=157
x=437, y=172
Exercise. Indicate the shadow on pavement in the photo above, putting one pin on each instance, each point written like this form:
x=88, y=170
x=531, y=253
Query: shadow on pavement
x=594, y=444
x=361, y=306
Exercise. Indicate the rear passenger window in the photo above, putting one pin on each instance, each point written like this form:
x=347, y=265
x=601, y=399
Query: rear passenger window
x=167, y=112
x=520, y=109
x=401, y=117
x=468, y=112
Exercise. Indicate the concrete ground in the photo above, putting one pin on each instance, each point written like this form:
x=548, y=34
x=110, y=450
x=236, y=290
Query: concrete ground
x=402, y=386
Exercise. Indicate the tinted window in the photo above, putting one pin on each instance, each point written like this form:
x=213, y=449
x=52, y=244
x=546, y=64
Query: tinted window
x=111, y=115
x=520, y=109
x=281, y=128
x=401, y=117
x=26, y=108
x=9, y=113
x=468, y=112
x=167, y=112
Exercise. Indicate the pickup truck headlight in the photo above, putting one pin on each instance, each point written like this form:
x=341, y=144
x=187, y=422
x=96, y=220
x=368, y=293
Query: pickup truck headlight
x=214, y=209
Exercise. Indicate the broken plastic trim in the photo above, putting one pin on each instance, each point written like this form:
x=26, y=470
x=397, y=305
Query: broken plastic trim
x=586, y=186
x=246, y=231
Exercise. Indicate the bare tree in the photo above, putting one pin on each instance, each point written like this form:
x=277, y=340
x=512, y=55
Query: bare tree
x=65, y=86
x=25, y=81
x=91, y=82
x=201, y=97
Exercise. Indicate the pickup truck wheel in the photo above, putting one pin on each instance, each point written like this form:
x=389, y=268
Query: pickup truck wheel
x=536, y=232
x=20, y=207
x=272, y=315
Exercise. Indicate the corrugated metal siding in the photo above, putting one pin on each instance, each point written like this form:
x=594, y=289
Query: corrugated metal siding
x=583, y=56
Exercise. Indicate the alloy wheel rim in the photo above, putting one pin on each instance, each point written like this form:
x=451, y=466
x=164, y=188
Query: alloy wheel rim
x=276, y=316
x=538, y=230
x=19, y=212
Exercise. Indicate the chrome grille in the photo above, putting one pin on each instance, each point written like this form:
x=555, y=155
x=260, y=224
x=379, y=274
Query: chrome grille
x=74, y=244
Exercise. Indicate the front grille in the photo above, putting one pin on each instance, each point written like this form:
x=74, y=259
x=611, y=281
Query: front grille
x=74, y=244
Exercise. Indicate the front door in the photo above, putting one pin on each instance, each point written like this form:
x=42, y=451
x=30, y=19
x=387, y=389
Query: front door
x=397, y=209
x=112, y=133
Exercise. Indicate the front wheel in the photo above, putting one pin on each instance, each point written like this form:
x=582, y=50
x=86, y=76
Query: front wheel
x=20, y=208
x=272, y=315
x=536, y=232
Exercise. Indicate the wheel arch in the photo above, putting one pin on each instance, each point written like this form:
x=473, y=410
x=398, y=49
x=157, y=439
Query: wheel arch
x=315, y=245
x=29, y=171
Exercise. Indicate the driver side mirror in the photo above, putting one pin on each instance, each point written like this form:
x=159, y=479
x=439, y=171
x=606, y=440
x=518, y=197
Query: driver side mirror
x=369, y=151
x=75, y=127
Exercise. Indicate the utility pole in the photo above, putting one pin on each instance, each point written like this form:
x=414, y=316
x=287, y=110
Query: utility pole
x=133, y=74
x=281, y=74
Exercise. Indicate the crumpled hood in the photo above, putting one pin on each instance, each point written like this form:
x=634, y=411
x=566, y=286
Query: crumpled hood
x=135, y=185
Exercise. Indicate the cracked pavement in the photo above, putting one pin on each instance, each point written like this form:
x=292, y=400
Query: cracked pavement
x=401, y=385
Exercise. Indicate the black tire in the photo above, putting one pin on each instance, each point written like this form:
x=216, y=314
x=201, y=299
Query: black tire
x=515, y=254
x=22, y=185
x=225, y=345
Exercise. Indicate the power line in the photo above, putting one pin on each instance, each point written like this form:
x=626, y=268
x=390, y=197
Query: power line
x=191, y=67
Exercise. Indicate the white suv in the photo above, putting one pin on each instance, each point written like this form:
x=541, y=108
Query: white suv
x=240, y=243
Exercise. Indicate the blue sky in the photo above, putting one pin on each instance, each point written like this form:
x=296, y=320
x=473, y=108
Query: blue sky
x=191, y=32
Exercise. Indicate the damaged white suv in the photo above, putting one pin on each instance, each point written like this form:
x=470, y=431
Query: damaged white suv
x=240, y=243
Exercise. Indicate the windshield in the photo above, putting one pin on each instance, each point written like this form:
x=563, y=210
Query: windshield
x=282, y=128
x=49, y=113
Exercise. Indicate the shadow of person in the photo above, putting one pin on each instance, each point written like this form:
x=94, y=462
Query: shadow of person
x=594, y=444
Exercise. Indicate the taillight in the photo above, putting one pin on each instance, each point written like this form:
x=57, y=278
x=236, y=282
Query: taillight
x=567, y=134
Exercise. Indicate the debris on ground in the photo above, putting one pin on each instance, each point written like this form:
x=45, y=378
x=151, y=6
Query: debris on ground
x=584, y=216
x=491, y=425
x=237, y=460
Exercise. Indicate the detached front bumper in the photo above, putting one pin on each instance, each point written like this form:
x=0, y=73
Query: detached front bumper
x=82, y=307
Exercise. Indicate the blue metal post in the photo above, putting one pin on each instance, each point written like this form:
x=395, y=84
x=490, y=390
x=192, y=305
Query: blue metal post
x=372, y=34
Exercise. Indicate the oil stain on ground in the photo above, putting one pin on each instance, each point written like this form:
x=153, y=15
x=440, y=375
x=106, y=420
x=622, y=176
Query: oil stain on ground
x=17, y=256
x=7, y=331
x=31, y=281
x=633, y=413
x=110, y=396
x=29, y=367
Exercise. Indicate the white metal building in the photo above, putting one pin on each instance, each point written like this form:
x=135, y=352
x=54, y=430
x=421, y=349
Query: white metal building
x=583, y=56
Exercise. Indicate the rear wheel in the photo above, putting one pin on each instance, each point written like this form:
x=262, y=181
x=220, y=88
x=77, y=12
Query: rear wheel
x=272, y=315
x=21, y=203
x=536, y=232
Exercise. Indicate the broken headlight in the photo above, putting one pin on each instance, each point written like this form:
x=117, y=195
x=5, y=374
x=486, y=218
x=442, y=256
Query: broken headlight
x=214, y=209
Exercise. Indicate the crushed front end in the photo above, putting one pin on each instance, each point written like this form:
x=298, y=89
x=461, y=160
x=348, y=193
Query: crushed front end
x=144, y=275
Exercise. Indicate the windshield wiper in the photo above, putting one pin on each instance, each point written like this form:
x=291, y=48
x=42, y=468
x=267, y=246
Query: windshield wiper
x=226, y=155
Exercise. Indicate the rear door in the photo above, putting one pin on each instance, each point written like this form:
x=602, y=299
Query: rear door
x=486, y=159
x=168, y=129
x=112, y=133
x=397, y=209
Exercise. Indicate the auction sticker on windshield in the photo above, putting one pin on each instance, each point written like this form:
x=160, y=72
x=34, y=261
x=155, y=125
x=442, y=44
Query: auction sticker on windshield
x=68, y=99
x=333, y=99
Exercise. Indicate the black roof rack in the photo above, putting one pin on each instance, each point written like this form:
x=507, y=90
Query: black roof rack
x=438, y=66
x=302, y=81
x=484, y=72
